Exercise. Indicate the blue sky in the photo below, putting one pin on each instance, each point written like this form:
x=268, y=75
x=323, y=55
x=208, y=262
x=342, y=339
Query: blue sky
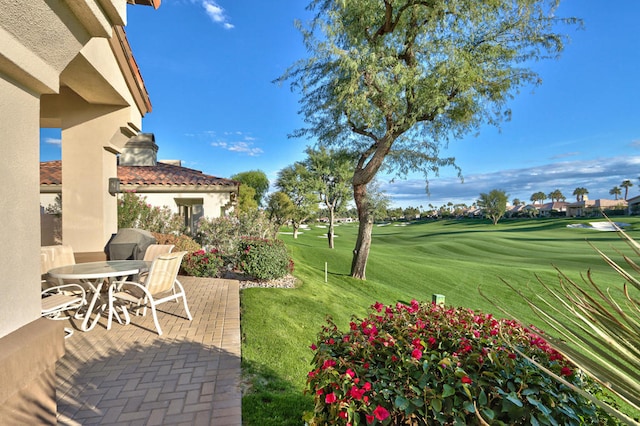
x=209, y=67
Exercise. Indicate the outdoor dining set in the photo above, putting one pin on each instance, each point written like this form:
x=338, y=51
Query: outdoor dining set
x=87, y=291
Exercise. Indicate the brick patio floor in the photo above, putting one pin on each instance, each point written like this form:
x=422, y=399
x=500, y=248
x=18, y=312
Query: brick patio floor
x=131, y=376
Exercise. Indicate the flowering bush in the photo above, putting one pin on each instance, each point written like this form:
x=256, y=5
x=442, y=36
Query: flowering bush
x=134, y=212
x=264, y=259
x=203, y=263
x=426, y=364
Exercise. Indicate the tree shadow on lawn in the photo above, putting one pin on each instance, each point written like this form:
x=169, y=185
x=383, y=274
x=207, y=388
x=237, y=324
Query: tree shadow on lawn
x=268, y=400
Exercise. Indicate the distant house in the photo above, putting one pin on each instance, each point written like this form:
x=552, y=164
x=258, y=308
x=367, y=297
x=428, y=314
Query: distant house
x=594, y=207
x=633, y=205
x=187, y=192
x=554, y=208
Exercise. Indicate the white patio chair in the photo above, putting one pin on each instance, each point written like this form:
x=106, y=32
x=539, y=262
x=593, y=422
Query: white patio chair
x=52, y=257
x=61, y=299
x=161, y=285
x=155, y=250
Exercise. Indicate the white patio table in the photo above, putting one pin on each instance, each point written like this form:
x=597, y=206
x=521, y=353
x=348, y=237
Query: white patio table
x=94, y=275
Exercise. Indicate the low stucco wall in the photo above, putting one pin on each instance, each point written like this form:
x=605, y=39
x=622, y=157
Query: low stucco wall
x=27, y=372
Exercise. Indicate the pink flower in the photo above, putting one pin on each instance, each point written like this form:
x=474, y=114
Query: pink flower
x=342, y=414
x=378, y=306
x=330, y=398
x=416, y=353
x=313, y=347
x=370, y=418
x=351, y=373
x=367, y=386
x=381, y=413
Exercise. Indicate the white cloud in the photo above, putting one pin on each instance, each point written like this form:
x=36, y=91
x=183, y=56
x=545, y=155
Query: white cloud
x=598, y=176
x=243, y=146
x=216, y=13
x=53, y=141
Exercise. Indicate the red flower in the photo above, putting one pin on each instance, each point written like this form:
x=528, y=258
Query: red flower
x=342, y=414
x=416, y=353
x=356, y=393
x=351, y=373
x=466, y=379
x=566, y=371
x=370, y=418
x=330, y=398
x=328, y=364
x=313, y=347
x=381, y=413
x=367, y=386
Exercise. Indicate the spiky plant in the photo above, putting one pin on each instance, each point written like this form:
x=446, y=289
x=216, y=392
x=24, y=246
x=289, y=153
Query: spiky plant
x=597, y=329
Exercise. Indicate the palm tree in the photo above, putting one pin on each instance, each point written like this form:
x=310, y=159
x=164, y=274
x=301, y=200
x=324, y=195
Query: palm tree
x=538, y=196
x=516, y=202
x=557, y=195
x=580, y=192
x=626, y=184
x=615, y=191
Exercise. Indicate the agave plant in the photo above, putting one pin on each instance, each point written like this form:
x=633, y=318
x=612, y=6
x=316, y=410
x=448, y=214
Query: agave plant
x=598, y=330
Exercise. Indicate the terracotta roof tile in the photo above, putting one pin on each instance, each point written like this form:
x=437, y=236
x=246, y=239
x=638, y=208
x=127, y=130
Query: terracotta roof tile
x=161, y=174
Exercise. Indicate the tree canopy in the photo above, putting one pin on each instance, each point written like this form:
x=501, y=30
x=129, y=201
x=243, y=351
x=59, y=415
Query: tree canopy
x=257, y=180
x=330, y=171
x=493, y=204
x=394, y=80
x=295, y=181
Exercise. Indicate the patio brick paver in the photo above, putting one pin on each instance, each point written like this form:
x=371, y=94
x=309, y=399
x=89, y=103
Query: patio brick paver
x=131, y=376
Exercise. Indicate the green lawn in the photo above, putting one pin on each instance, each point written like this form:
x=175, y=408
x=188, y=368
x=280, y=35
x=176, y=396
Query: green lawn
x=406, y=262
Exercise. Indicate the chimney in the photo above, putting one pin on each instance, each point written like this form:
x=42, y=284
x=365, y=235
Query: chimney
x=140, y=150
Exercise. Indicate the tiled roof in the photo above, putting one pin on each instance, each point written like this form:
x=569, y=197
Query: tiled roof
x=161, y=174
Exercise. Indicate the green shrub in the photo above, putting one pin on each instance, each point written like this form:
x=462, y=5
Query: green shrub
x=264, y=259
x=224, y=233
x=425, y=364
x=203, y=264
x=181, y=242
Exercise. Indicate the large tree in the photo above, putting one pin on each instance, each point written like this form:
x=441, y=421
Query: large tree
x=331, y=171
x=257, y=180
x=394, y=80
x=279, y=209
x=295, y=181
x=493, y=204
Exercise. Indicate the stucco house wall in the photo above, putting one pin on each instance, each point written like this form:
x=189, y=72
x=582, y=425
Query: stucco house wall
x=60, y=66
x=187, y=192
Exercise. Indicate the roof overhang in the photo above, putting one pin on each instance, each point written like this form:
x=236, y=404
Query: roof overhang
x=154, y=3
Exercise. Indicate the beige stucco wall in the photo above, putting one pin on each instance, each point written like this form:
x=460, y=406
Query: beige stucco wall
x=38, y=40
x=19, y=233
x=212, y=202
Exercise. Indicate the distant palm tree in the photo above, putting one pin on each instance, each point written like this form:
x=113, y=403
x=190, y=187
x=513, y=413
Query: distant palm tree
x=580, y=193
x=626, y=184
x=538, y=196
x=516, y=202
x=615, y=191
x=557, y=195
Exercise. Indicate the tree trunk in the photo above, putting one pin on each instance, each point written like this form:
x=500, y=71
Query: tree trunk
x=295, y=230
x=330, y=231
x=363, y=243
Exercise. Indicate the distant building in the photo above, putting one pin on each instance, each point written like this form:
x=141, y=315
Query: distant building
x=187, y=192
x=594, y=207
